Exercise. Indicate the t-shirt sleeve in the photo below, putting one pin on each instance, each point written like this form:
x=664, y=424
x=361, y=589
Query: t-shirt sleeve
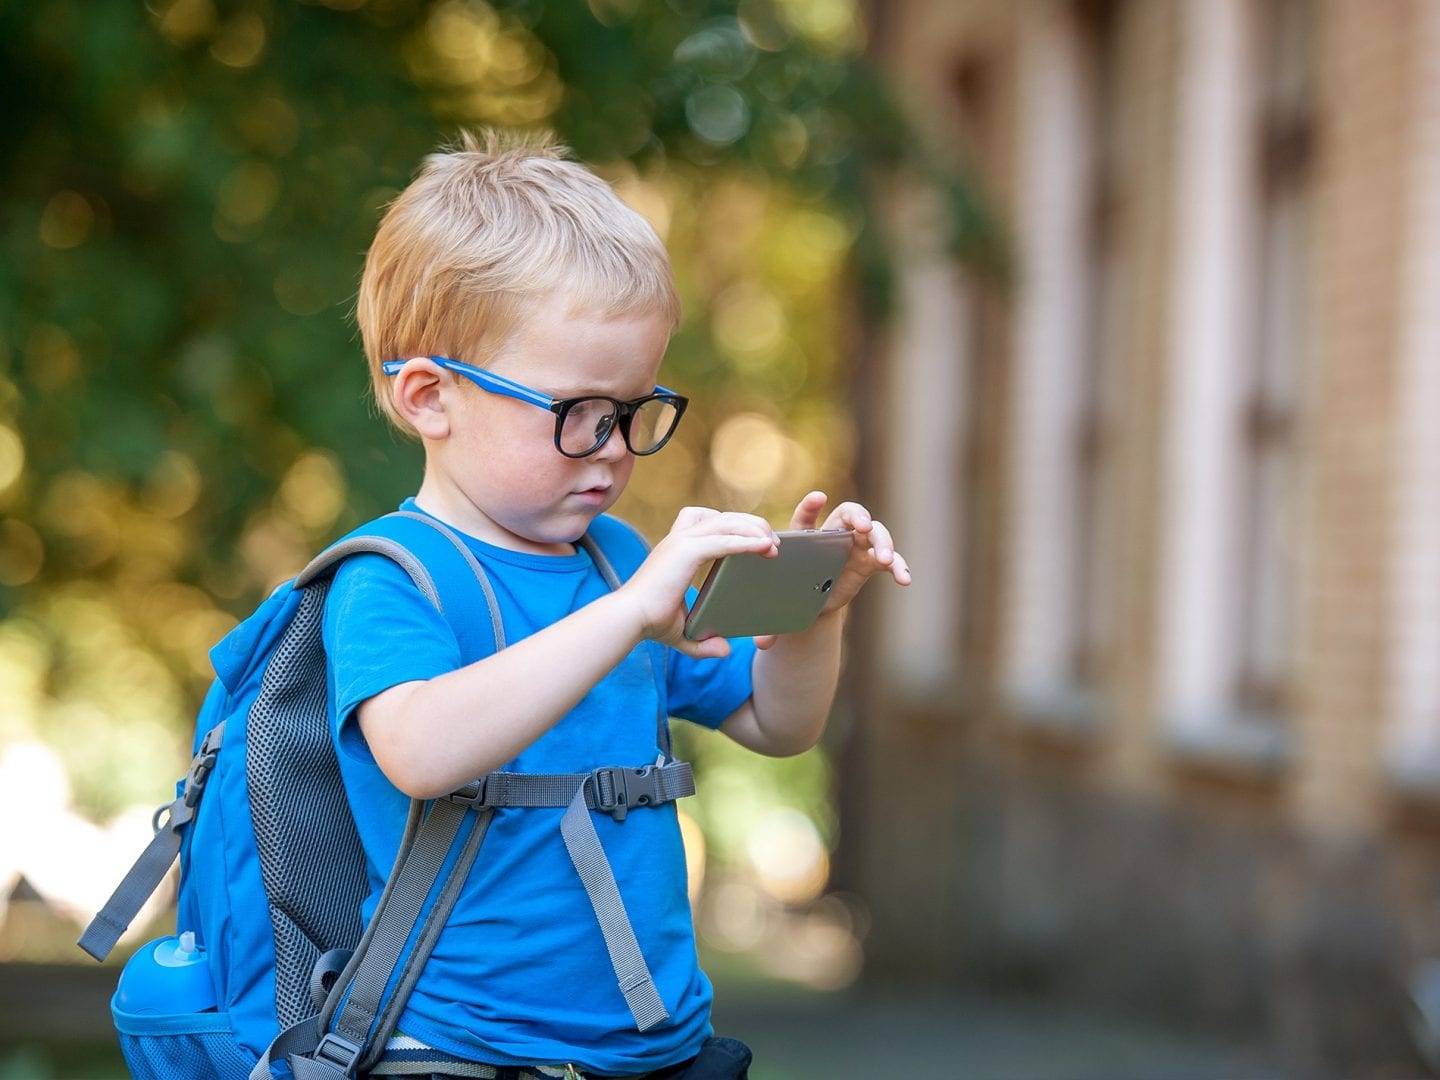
x=379, y=631
x=707, y=691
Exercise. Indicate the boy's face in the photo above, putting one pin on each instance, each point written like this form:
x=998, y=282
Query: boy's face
x=499, y=473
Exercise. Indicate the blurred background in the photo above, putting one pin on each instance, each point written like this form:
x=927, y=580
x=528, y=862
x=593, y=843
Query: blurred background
x=1122, y=313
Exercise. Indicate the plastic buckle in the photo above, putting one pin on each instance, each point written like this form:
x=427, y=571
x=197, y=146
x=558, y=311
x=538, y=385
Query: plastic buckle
x=472, y=794
x=201, y=769
x=342, y=1053
x=629, y=788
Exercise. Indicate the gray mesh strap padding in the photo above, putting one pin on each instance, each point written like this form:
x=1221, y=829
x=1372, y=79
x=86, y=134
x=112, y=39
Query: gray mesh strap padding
x=302, y=1039
x=631, y=972
x=292, y=763
x=326, y=1048
x=415, y=819
x=300, y=812
x=424, y=850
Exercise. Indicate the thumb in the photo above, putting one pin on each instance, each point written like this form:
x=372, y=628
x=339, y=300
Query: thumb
x=711, y=648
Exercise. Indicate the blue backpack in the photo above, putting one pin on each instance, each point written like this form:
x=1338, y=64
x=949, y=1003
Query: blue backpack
x=271, y=968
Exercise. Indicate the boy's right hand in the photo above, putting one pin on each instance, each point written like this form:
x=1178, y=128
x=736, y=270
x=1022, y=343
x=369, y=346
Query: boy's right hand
x=698, y=536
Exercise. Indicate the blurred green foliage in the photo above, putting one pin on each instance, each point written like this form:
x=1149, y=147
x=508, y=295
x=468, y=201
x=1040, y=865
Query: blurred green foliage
x=188, y=191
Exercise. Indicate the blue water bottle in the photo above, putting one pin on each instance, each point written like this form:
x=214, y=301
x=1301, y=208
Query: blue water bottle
x=166, y=977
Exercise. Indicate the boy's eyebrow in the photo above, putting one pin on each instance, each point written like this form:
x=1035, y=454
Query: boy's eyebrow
x=590, y=391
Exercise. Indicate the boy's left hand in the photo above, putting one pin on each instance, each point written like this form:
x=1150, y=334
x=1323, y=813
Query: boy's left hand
x=872, y=552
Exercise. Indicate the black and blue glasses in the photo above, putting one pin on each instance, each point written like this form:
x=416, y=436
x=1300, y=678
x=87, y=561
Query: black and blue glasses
x=582, y=424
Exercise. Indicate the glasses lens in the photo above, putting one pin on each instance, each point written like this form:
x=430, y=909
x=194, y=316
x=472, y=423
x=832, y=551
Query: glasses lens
x=586, y=425
x=651, y=424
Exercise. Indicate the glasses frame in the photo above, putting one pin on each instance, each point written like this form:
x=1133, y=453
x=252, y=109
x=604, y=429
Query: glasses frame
x=561, y=407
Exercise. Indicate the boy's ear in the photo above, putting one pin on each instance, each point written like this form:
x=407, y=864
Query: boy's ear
x=416, y=393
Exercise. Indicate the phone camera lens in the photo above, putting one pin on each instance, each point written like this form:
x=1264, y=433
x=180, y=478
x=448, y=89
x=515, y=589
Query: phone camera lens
x=827, y=584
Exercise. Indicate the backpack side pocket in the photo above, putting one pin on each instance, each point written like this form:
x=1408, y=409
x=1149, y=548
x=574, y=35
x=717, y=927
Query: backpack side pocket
x=180, y=1046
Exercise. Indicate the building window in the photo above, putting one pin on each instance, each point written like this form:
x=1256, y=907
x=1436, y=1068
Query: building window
x=1237, y=375
x=940, y=353
x=1060, y=563
x=1414, y=707
x=926, y=505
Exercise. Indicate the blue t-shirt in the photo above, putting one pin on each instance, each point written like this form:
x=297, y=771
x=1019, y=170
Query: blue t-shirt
x=520, y=974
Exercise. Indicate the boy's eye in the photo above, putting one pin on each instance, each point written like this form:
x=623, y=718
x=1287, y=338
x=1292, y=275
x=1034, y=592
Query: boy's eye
x=592, y=412
x=587, y=423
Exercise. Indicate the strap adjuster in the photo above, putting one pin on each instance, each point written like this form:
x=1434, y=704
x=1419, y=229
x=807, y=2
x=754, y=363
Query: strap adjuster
x=618, y=790
x=337, y=1051
x=472, y=794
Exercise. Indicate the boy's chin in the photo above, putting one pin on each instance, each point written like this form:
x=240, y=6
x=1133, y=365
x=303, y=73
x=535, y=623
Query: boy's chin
x=562, y=531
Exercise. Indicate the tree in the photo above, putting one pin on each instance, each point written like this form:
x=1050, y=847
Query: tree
x=190, y=188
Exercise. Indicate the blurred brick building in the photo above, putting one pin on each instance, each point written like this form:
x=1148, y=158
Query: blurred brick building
x=1159, y=723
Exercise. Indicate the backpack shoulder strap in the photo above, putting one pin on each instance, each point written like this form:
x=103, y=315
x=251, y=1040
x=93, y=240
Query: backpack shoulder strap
x=415, y=541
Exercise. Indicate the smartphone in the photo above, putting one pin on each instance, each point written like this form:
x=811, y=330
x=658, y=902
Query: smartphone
x=746, y=595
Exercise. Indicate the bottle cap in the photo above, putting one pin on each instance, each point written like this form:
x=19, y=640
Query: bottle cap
x=167, y=977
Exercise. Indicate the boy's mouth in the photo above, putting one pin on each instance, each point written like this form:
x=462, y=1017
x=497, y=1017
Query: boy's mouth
x=597, y=493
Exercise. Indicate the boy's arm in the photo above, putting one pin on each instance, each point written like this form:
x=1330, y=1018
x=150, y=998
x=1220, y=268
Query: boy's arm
x=433, y=736
x=796, y=674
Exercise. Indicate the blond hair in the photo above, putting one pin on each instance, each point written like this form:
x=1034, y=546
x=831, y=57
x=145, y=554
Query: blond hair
x=488, y=228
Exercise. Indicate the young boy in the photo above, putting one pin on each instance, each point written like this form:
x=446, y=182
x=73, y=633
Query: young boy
x=502, y=278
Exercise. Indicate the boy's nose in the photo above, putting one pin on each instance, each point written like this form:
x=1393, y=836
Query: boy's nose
x=613, y=448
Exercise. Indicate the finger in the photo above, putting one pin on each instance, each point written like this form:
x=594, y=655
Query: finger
x=716, y=522
x=850, y=515
x=881, y=543
x=718, y=545
x=690, y=516
x=747, y=523
x=807, y=512
x=764, y=641
x=711, y=648
x=900, y=570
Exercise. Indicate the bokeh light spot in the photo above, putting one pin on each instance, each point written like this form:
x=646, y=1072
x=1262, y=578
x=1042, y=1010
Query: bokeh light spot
x=719, y=115
x=248, y=194
x=12, y=457
x=240, y=42
x=313, y=491
x=52, y=359
x=173, y=486
x=67, y=220
x=22, y=553
x=484, y=66
x=831, y=26
x=182, y=21
x=748, y=452
x=788, y=856
x=748, y=319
